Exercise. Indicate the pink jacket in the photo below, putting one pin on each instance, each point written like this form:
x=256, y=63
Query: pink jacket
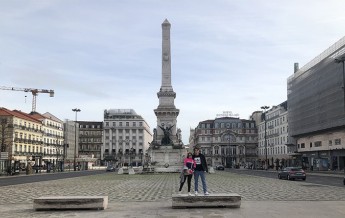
x=189, y=163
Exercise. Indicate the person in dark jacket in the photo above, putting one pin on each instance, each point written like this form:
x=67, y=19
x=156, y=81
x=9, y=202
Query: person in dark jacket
x=199, y=171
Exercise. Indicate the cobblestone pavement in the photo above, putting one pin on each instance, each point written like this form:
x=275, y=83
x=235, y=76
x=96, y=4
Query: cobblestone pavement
x=159, y=187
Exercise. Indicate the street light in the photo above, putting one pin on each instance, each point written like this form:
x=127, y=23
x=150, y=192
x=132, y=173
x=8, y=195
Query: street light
x=265, y=108
x=229, y=150
x=130, y=156
x=338, y=61
x=76, y=110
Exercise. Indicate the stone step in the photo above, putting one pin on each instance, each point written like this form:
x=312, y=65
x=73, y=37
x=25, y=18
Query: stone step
x=213, y=200
x=71, y=203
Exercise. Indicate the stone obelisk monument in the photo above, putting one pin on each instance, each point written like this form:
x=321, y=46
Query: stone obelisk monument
x=166, y=112
x=167, y=147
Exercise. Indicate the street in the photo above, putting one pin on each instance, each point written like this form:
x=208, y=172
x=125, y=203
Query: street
x=40, y=177
x=312, y=177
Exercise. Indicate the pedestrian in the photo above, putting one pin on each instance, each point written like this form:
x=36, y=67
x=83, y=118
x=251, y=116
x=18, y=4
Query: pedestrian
x=187, y=172
x=200, y=170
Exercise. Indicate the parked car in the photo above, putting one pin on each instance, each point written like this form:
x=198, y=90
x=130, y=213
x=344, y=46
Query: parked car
x=219, y=167
x=110, y=168
x=292, y=173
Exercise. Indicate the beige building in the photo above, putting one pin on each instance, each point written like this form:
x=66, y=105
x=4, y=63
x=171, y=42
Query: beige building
x=126, y=137
x=22, y=139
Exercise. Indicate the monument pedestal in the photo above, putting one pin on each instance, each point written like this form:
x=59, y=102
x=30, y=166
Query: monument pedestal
x=168, y=159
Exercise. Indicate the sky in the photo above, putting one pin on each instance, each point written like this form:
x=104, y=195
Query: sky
x=226, y=55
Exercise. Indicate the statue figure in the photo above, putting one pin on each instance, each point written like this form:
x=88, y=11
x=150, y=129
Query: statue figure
x=167, y=132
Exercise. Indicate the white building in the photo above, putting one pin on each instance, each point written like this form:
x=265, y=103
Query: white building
x=278, y=153
x=53, y=139
x=126, y=137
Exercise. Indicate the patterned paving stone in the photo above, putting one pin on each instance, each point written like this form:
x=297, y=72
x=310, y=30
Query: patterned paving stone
x=159, y=187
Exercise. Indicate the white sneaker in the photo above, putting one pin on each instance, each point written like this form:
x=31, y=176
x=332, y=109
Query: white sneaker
x=206, y=193
x=190, y=194
x=196, y=193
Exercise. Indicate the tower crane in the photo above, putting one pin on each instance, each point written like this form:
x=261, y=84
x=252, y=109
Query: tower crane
x=33, y=91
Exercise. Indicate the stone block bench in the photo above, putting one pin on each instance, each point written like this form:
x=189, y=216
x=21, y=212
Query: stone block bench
x=201, y=201
x=71, y=203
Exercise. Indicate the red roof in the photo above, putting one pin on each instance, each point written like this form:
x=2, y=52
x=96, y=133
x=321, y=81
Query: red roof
x=19, y=114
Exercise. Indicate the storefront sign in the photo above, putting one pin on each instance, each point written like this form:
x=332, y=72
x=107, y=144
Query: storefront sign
x=227, y=114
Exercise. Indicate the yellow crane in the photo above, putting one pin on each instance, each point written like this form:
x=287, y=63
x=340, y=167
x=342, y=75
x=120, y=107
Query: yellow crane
x=33, y=91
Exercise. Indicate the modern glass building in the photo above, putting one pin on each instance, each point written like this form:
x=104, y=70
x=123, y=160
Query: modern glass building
x=316, y=105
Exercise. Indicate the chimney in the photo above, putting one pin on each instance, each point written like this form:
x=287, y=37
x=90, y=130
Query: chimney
x=296, y=67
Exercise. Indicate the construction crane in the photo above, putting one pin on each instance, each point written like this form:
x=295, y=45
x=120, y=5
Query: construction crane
x=33, y=91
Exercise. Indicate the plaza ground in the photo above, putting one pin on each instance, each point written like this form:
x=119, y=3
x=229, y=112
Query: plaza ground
x=149, y=195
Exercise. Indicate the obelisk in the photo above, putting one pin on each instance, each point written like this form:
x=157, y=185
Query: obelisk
x=166, y=112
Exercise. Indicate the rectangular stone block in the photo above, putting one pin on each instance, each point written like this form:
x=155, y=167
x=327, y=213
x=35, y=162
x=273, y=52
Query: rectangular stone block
x=71, y=203
x=201, y=201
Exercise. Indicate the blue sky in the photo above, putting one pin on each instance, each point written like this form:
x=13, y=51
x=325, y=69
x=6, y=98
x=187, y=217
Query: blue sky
x=227, y=55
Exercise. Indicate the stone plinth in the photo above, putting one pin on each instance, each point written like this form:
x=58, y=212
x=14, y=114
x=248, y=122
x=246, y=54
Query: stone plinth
x=201, y=201
x=167, y=159
x=71, y=203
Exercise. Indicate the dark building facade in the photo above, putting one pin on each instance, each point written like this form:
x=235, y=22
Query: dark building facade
x=316, y=105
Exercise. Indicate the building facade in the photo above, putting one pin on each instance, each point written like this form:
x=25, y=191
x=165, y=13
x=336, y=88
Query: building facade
x=316, y=104
x=126, y=137
x=21, y=138
x=91, y=140
x=71, y=140
x=228, y=141
x=276, y=131
x=53, y=141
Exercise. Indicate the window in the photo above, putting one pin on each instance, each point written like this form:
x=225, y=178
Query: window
x=140, y=123
x=120, y=124
x=127, y=123
x=114, y=123
x=330, y=142
x=317, y=144
x=337, y=141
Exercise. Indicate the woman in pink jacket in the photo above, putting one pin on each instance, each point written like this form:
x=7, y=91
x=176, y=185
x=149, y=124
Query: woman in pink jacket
x=187, y=171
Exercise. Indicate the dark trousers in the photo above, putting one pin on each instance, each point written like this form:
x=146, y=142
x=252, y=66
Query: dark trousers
x=189, y=180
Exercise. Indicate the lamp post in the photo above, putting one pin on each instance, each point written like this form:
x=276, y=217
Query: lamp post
x=338, y=61
x=130, y=156
x=76, y=110
x=265, y=108
x=229, y=149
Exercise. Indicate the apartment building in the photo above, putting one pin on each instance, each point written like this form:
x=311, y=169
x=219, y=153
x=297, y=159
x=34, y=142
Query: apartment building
x=277, y=132
x=21, y=139
x=126, y=137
